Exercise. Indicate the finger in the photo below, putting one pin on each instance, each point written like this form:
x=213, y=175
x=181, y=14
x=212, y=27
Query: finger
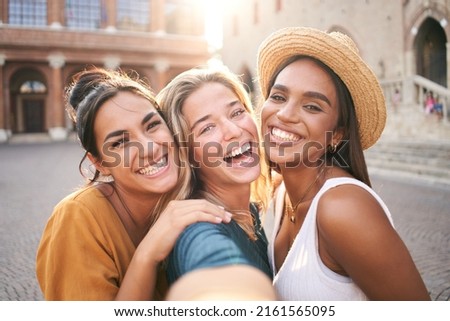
x=187, y=206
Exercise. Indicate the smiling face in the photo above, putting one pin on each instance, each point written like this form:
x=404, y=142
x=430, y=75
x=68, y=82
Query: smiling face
x=299, y=112
x=135, y=145
x=224, y=137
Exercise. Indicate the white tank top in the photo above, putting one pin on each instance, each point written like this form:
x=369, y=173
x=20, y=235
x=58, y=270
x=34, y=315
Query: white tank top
x=303, y=276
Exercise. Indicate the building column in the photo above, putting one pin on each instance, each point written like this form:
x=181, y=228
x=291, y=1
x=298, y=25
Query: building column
x=161, y=67
x=408, y=94
x=110, y=10
x=56, y=117
x=157, y=16
x=3, y=12
x=55, y=10
x=3, y=119
x=111, y=62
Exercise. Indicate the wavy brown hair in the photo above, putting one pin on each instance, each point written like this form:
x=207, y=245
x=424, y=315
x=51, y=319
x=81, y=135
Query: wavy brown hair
x=89, y=90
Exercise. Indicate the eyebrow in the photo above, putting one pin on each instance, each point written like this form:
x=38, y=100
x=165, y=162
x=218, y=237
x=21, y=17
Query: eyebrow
x=310, y=94
x=199, y=121
x=121, y=131
x=230, y=104
x=148, y=117
x=114, y=134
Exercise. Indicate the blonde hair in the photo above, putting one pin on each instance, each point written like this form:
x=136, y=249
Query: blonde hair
x=172, y=98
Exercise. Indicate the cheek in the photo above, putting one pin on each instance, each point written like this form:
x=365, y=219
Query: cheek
x=164, y=136
x=115, y=158
x=266, y=112
x=249, y=125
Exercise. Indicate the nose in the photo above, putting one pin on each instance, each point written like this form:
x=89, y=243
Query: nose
x=147, y=148
x=288, y=113
x=231, y=130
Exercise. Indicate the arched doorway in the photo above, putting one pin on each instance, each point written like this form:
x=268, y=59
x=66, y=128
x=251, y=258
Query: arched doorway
x=28, y=93
x=431, y=53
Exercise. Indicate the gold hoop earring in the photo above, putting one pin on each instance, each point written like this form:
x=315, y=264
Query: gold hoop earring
x=332, y=148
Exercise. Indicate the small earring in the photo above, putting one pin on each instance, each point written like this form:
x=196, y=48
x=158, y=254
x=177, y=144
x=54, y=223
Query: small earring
x=332, y=148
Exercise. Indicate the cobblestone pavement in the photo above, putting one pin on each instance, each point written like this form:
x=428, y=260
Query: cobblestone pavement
x=34, y=177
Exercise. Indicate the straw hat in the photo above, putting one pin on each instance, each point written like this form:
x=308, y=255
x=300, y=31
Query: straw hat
x=338, y=52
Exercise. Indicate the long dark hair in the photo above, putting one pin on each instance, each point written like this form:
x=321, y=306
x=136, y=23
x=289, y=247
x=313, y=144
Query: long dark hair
x=85, y=96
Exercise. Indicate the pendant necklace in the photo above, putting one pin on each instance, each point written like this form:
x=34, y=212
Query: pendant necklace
x=292, y=210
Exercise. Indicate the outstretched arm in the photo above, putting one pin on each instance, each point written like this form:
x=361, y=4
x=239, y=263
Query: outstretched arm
x=140, y=279
x=234, y=282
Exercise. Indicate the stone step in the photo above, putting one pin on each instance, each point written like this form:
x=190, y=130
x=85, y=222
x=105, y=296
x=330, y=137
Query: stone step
x=435, y=156
x=429, y=160
x=418, y=169
x=410, y=122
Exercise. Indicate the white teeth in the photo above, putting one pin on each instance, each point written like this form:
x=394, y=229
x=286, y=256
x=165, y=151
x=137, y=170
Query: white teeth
x=238, y=151
x=282, y=135
x=155, y=168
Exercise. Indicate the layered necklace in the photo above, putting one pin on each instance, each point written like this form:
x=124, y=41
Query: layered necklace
x=290, y=211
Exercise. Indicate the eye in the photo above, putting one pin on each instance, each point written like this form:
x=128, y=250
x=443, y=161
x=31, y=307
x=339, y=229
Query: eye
x=116, y=144
x=153, y=124
x=313, y=108
x=277, y=98
x=238, y=112
x=206, y=128
x=120, y=141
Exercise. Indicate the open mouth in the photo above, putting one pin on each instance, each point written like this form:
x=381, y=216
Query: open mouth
x=154, y=168
x=284, y=136
x=240, y=155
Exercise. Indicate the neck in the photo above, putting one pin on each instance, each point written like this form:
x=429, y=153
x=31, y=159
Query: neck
x=233, y=198
x=303, y=183
x=138, y=206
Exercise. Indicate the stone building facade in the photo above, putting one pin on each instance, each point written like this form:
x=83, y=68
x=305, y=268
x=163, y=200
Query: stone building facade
x=406, y=42
x=44, y=42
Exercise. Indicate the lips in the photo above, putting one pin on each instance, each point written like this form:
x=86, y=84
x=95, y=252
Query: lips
x=242, y=156
x=236, y=152
x=284, y=136
x=155, y=168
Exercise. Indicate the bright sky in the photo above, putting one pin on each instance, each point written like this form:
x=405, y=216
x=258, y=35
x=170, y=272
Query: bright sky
x=213, y=22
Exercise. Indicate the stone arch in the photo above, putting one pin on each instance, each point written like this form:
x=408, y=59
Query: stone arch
x=430, y=52
x=28, y=102
x=419, y=24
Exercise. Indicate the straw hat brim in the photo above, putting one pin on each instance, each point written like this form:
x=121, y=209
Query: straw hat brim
x=338, y=52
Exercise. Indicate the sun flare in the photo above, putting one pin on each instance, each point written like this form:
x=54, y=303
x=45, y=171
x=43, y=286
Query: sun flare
x=213, y=22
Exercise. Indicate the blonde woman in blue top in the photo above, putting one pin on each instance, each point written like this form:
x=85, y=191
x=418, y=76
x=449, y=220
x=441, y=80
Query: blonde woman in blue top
x=210, y=114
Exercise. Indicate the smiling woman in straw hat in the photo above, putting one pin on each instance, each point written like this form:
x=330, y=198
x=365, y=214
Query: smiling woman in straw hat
x=331, y=237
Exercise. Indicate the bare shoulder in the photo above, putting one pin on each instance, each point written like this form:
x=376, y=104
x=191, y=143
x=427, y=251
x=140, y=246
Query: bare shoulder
x=349, y=206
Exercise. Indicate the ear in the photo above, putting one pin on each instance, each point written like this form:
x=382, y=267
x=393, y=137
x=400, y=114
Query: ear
x=98, y=165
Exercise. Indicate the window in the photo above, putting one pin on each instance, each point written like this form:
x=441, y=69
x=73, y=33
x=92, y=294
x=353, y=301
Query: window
x=133, y=14
x=83, y=14
x=27, y=12
x=184, y=16
x=32, y=87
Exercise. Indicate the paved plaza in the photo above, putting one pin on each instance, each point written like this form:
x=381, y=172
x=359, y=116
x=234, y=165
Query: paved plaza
x=34, y=177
